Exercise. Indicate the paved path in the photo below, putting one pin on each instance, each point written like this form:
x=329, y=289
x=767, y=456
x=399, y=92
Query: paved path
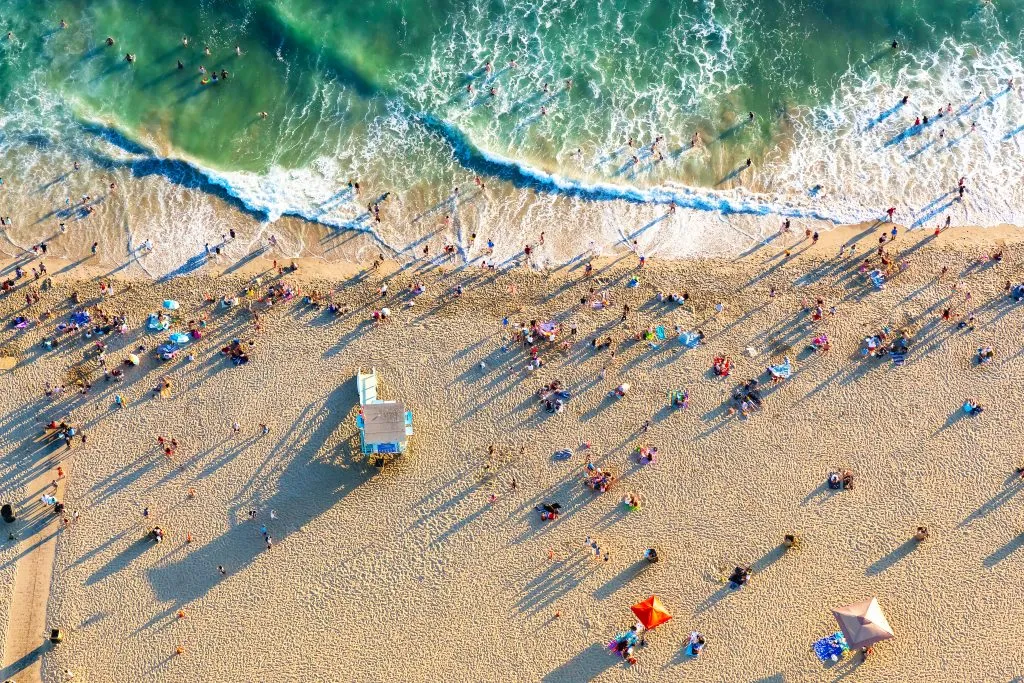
x=38, y=529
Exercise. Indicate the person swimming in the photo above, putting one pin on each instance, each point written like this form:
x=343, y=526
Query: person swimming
x=109, y=41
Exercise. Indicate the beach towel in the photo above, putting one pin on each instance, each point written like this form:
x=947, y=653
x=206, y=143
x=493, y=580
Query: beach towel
x=563, y=454
x=783, y=370
x=831, y=648
x=877, y=278
x=660, y=332
x=898, y=358
x=689, y=339
x=155, y=323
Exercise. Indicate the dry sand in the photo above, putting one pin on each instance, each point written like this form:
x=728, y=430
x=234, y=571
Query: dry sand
x=410, y=573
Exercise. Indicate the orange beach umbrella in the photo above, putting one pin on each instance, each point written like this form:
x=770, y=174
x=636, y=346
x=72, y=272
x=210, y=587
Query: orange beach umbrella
x=651, y=612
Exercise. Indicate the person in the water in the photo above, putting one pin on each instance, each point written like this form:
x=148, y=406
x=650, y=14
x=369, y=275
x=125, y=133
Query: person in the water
x=130, y=58
x=180, y=65
x=109, y=41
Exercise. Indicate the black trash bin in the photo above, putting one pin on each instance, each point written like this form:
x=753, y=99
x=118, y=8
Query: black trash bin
x=7, y=512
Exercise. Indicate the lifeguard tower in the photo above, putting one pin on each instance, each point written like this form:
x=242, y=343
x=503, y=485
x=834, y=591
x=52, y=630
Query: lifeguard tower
x=384, y=426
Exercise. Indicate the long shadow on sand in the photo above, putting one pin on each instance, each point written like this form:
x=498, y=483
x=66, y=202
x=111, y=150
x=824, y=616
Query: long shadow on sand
x=310, y=483
x=585, y=666
x=891, y=558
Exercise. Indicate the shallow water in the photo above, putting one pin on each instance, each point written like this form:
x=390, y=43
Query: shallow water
x=379, y=91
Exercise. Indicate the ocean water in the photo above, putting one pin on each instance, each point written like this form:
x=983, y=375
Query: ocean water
x=398, y=95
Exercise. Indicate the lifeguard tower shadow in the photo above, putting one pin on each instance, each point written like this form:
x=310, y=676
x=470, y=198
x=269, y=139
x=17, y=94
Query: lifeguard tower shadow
x=314, y=478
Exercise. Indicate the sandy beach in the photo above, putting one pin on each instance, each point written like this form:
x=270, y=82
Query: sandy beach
x=435, y=567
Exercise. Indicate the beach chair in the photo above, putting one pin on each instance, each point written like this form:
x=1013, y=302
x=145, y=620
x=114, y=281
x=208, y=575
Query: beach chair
x=367, y=384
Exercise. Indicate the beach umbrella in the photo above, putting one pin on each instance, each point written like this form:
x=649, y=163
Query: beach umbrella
x=651, y=612
x=863, y=623
x=170, y=304
x=133, y=359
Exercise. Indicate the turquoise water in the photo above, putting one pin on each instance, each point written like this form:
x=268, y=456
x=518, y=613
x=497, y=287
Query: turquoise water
x=378, y=91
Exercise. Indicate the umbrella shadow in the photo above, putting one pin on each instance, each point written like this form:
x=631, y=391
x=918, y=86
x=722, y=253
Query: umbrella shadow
x=586, y=665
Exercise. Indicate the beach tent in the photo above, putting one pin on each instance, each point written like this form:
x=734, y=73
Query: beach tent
x=651, y=612
x=863, y=623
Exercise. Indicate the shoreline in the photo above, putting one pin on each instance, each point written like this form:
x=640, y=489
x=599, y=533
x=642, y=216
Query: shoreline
x=258, y=260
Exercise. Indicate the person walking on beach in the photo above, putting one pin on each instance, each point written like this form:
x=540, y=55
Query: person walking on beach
x=890, y=212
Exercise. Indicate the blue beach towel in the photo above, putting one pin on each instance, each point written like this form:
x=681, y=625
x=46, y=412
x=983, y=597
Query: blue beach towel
x=689, y=339
x=831, y=648
x=784, y=370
